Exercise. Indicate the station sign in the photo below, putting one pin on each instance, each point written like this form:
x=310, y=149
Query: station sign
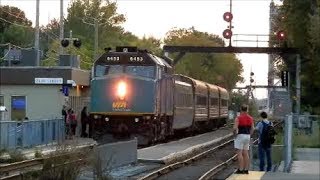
x=48, y=80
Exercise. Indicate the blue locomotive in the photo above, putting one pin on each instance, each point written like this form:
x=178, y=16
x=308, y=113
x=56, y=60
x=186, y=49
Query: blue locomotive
x=135, y=93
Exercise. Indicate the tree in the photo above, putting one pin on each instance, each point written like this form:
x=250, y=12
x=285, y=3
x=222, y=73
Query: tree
x=240, y=98
x=221, y=69
x=15, y=28
x=111, y=34
x=17, y=35
x=301, y=24
x=9, y=15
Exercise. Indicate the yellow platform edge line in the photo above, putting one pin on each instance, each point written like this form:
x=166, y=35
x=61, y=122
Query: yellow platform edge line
x=253, y=175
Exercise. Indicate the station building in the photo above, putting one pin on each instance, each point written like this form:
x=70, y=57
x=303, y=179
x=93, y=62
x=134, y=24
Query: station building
x=37, y=92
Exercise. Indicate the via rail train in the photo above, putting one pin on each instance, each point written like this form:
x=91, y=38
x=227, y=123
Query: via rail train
x=135, y=93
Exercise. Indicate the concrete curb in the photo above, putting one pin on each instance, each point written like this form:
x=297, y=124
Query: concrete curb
x=178, y=156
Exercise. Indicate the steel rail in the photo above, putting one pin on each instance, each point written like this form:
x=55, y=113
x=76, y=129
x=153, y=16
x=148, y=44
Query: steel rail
x=172, y=167
x=215, y=170
x=19, y=166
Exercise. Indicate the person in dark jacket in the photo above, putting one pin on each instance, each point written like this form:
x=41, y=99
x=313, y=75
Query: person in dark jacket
x=84, y=121
x=264, y=149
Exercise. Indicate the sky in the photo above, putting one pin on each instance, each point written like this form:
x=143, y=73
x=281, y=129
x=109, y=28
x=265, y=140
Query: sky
x=156, y=17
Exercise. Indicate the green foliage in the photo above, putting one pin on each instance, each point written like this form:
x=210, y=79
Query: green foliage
x=38, y=154
x=301, y=22
x=111, y=34
x=15, y=27
x=16, y=156
x=17, y=35
x=238, y=99
x=303, y=140
x=220, y=69
x=12, y=15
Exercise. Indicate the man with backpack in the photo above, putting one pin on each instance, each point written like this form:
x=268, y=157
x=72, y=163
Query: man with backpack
x=266, y=139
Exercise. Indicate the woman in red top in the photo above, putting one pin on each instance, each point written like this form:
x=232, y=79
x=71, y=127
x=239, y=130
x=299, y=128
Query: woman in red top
x=243, y=128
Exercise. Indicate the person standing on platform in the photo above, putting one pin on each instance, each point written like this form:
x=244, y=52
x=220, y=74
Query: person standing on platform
x=84, y=121
x=266, y=138
x=243, y=129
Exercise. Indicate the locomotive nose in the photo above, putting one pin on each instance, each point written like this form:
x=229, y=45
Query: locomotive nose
x=122, y=89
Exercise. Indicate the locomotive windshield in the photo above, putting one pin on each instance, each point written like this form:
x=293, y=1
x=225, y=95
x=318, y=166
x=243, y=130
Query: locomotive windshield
x=135, y=70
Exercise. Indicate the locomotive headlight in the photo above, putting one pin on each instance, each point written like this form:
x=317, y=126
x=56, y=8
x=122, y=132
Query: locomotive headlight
x=136, y=120
x=106, y=119
x=121, y=90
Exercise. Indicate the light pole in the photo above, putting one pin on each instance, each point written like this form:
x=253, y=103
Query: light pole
x=96, y=34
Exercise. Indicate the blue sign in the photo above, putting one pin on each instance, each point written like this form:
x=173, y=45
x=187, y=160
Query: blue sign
x=65, y=90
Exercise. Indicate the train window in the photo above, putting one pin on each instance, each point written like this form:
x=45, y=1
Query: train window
x=143, y=71
x=99, y=70
x=102, y=70
x=201, y=100
x=224, y=102
x=183, y=100
x=214, y=101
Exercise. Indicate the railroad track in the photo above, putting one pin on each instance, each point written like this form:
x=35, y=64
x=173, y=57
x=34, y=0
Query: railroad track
x=17, y=170
x=200, y=166
x=222, y=166
x=176, y=170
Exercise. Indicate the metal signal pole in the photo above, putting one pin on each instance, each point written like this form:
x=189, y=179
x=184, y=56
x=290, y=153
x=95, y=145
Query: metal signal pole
x=36, y=38
x=230, y=24
x=61, y=27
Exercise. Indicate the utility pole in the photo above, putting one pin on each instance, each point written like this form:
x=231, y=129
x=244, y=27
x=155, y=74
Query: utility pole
x=61, y=26
x=96, y=40
x=298, y=83
x=9, y=59
x=96, y=35
x=36, y=38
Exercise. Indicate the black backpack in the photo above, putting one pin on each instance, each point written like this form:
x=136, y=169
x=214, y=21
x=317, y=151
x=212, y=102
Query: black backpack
x=268, y=133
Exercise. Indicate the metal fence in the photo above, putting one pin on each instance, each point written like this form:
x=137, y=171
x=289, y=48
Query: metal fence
x=299, y=131
x=24, y=134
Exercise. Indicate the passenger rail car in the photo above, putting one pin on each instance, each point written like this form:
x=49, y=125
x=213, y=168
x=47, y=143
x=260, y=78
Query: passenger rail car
x=135, y=93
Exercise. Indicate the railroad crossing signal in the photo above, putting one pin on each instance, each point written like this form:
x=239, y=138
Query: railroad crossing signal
x=227, y=16
x=66, y=41
x=227, y=33
x=281, y=35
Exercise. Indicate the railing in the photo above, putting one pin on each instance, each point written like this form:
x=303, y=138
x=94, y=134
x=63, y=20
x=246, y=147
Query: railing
x=23, y=134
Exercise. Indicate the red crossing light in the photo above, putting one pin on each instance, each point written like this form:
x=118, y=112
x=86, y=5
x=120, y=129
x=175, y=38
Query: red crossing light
x=227, y=33
x=281, y=35
x=227, y=16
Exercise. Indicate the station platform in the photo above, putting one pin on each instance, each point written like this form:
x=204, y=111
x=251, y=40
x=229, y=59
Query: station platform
x=255, y=175
x=175, y=150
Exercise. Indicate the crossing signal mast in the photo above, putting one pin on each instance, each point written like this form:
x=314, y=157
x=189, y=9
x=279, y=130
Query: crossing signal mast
x=66, y=41
x=228, y=16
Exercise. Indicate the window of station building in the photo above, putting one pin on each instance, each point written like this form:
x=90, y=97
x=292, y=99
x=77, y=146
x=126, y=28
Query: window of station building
x=214, y=101
x=201, y=100
x=18, y=107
